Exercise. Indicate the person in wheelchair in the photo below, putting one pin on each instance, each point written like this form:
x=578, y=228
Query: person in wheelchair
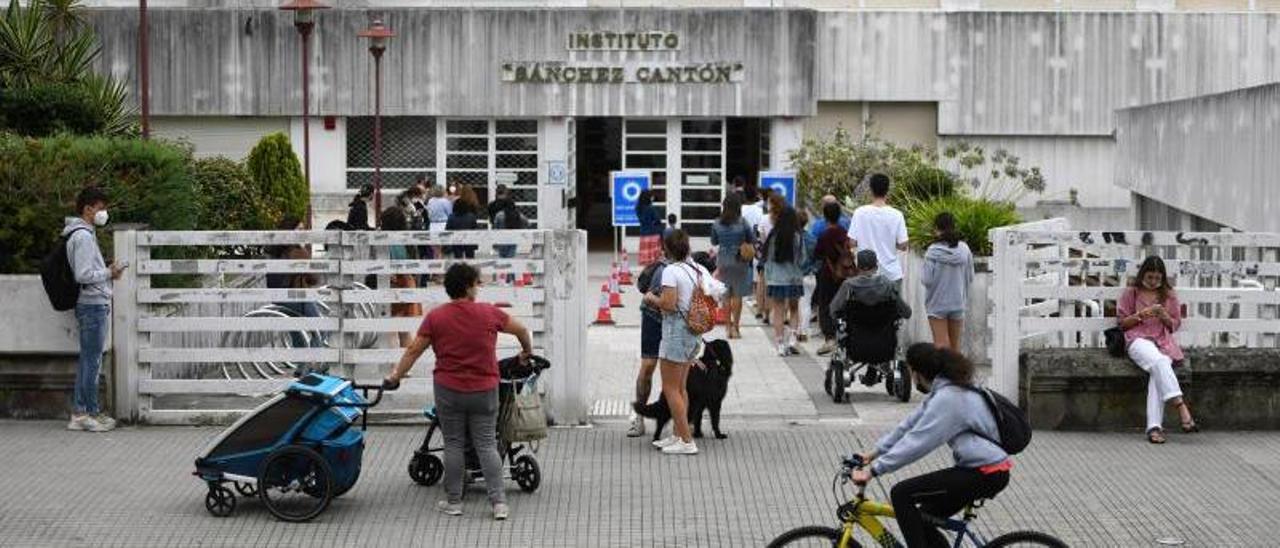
x=870, y=307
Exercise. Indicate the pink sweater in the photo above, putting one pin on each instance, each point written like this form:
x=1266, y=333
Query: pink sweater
x=1152, y=328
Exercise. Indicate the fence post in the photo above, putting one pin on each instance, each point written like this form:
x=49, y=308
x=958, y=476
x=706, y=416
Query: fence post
x=1008, y=272
x=565, y=260
x=124, y=329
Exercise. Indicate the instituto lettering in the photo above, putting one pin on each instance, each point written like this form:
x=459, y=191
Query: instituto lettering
x=564, y=73
x=624, y=41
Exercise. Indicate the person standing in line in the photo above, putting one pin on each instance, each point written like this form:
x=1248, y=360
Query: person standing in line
x=649, y=283
x=463, y=217
x=820, y=223
x=730, y=233
x=880, y=227
x=650, y=229
x=302, y=280
x=501, y=200
x=784, y=257
x=439, y=207
x=395, y=219
x=464, y=334
x=753, y=215
x=93, y=306
x=946, y=275
x=773, y=206
x=834, y=264
x=358, y=209
x=679, y=345
x=1149, y=313
x=810, y=285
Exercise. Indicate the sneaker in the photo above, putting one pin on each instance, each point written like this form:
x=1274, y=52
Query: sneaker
x=104, y=420
x=637, y=427
x=665, y=442
x=827, y=348
x=86, y=423
x=782, y=350
x=791, y=339
x=500, y=511
x=451, y=508
x=681, y=448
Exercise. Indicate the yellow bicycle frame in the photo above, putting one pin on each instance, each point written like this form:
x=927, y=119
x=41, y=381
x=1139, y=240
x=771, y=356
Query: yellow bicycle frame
x=866, y=515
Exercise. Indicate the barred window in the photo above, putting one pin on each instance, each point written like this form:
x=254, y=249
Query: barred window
x=408, y=150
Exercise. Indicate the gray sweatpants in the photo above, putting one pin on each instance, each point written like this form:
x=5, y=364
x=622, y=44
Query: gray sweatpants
x=475, y=413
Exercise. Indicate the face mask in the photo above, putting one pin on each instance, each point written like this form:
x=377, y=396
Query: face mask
x=100, y=218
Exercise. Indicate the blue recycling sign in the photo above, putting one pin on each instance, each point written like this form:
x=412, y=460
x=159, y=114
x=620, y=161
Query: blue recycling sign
x=780, y=182
x=625, y=188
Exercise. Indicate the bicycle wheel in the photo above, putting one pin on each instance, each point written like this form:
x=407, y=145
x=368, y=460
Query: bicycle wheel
x=1026, y=538
x=812, y=535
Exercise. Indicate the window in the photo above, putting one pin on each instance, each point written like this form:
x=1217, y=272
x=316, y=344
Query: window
x=408, y=150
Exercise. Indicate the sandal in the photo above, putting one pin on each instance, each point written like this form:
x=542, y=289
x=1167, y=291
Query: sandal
x=1156, y=436
x=1189, y=427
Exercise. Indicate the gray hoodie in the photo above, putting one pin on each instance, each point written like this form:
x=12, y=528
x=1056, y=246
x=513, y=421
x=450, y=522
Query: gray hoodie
x=86, y=263
x=953, y=415
x=946, y=276
x=869, y=289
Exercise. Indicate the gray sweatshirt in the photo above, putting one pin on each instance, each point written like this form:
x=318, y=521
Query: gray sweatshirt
x=951, y=414
x=869, y=289
x=86, y=263
x=946, y=276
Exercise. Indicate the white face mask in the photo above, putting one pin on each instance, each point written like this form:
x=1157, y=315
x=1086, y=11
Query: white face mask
x=100, y=218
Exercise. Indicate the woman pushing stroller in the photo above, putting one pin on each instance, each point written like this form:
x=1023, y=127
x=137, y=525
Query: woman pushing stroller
x=464, y=336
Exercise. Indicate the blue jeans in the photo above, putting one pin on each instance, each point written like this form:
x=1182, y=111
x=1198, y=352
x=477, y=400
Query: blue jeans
x=92, y=320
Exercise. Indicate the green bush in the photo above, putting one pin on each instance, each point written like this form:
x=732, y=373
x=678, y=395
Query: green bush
x=974, y=217
x=276, y=170
x=48, y=109
x=147, y=182
x=228, y=198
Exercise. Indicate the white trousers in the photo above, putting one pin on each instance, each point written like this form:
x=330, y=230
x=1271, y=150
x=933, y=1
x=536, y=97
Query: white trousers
x=1163, y=385
x=806, y=305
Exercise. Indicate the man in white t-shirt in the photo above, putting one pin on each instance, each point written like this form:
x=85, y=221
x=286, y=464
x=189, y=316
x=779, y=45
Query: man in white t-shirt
x=880, y=227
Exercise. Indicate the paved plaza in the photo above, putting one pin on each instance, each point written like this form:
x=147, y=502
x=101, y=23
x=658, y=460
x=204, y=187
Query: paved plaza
x=132, y=487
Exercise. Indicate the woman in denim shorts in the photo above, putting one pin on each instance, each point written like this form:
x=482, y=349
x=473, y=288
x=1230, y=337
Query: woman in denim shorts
x=650, y=338
x=679, y=345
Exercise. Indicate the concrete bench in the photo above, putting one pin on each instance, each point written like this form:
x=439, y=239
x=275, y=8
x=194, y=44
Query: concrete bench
x=1087, y=389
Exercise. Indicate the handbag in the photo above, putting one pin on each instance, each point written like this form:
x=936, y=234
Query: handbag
x=523, y=419
x=1114, y=337
x=746, y=249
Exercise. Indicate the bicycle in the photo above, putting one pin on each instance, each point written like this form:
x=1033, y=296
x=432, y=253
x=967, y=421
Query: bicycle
x=861, y=512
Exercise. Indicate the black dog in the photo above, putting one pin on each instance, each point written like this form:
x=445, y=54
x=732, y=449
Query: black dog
x=707, y=386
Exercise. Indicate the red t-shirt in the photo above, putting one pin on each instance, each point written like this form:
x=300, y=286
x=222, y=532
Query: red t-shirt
x=465, y=336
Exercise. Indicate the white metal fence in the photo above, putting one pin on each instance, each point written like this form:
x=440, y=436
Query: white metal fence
x=1057, y=287
x=239, y=357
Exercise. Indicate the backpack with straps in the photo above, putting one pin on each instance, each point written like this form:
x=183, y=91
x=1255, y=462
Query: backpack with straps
x=1011, y=421
x=701, y=316
x=59, y=281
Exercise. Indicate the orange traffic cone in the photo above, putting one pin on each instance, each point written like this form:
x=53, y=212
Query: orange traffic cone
x=624, y=276
x=603, y=315
x=615, y=294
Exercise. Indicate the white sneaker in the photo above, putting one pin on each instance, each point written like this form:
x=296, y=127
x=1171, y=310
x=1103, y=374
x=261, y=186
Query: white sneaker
x=681, y=448
x=665, y=442
x=449, y=508
x=106, y=421
x=501, y=511
x=791, y=339
x=86, y=423
x=782, y=350
x=637, y=427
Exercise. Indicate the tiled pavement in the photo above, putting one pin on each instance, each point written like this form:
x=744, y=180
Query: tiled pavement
x=133, y=487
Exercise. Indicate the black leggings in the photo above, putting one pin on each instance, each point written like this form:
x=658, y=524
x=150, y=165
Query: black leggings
x=940, y=494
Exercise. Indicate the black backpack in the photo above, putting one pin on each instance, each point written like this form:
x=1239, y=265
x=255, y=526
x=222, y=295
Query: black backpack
x=55, y=273
x=1011, y=421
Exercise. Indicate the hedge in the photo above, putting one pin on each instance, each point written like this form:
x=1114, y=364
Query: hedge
x=147, y=181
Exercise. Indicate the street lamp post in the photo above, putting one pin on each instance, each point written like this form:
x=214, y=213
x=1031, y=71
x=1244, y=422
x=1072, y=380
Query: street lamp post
x=304, y=21
x=377, y=34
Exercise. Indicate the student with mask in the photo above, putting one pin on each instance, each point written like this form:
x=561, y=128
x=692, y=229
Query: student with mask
x=93, y=307
x=358, y=209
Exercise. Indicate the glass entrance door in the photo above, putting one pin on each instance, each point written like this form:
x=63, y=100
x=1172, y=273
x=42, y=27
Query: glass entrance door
x=702, y=164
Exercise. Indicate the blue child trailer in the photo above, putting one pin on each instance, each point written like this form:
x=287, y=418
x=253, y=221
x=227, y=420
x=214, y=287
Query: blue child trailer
x=296, y=452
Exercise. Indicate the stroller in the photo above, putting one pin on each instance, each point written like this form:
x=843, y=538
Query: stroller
x=296, y=452
x=867, y=339
x=427, y=465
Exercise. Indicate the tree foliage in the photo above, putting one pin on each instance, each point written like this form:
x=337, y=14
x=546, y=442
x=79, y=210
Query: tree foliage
x=275, y=169
x=974, y=218
x=228, y=197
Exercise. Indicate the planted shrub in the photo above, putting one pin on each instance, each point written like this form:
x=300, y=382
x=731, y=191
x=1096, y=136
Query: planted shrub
x=974, y=217
x=49, y=109
x=276, y=171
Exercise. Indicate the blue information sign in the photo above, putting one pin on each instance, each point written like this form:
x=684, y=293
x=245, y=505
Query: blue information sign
x=625, y=188
x=781, y=182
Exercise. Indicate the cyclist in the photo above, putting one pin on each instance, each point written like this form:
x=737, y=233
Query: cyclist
x=951, y=414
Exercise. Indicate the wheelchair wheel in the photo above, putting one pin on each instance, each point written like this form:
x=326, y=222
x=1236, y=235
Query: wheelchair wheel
x=902, y=382
x=836, y=379
x=220, y=502
x=425, y=469
x=889, y=377
x=526, y=473
x=295, y=483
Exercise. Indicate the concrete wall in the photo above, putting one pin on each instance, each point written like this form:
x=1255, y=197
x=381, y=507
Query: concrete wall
x=218, y=135
x=30, y=325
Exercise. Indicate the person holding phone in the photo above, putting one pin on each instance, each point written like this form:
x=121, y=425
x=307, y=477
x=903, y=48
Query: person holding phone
x=1149, y=313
